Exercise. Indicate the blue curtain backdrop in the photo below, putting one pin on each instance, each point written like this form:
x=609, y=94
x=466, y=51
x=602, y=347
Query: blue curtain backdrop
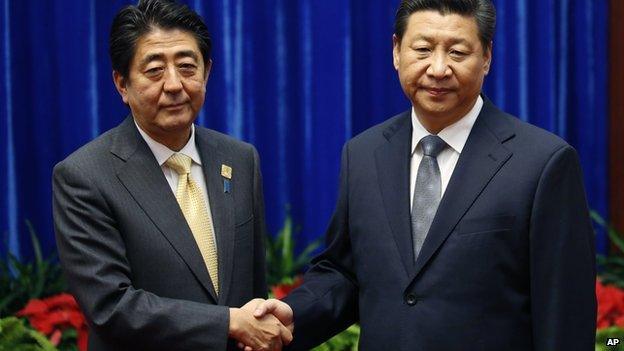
x=295, y=78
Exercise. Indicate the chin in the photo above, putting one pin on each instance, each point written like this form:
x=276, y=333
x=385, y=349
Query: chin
x=433, y=107
x=176, y=124
x=179, y=117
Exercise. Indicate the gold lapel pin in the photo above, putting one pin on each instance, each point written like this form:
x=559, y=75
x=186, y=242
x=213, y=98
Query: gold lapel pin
x=226, y=171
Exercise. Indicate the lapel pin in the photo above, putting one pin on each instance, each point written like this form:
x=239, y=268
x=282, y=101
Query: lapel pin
x=226, y=173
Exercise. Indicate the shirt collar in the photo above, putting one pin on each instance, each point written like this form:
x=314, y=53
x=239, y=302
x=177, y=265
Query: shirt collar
x=454, y=135
x=162, y=153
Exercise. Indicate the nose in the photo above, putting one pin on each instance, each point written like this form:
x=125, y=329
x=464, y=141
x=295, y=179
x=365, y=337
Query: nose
x=172, y=84
x=438, y=67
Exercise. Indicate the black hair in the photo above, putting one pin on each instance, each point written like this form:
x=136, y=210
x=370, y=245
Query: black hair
x=482, y=10
x=132, y=22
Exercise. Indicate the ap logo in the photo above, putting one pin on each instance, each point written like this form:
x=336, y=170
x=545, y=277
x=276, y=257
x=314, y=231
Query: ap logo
x=613, y=341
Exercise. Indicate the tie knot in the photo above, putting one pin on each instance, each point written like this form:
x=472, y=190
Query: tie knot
x=179, y=163
x=432, y=145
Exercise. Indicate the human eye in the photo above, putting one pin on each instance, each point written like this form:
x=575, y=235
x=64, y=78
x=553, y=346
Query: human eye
x=422, y=50
x=153, y=72
x=458, y=54
x=187, y=68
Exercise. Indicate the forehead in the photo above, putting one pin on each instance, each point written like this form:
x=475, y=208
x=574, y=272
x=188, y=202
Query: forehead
x=434, y=25
x=165, y=43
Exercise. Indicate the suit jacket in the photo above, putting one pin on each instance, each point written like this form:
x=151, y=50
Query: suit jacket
x=508, y=263
x=129, y=256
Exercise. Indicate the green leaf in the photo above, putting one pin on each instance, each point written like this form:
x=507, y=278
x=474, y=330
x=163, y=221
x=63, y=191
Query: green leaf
x=282, y=263
x=304, y=258
x=613, y=279
x=287, y=245
x=614, y=236
x=35, y=243
x=40, y=268
x=614, y=260
x=15, y=335
x=5, y=301
x=603, y=334
x=616, y=239
x=347, y=340
x=596, y=217
x=21, y=281
x=16, y=264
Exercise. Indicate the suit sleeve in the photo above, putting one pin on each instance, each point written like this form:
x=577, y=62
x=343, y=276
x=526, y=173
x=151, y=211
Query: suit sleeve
x=562, y=259
x=326, y=302
x=260, y=283
x=93, y=257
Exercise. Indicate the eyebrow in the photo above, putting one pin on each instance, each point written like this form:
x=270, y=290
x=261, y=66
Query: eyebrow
x=161, y=57
x=452, y=40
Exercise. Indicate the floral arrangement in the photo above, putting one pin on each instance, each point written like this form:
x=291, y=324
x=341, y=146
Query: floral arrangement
x=38, y=315
x=285, y=269
x=610, y=290
x=282, y=263
x=22, y=281
x=610, y=306
x=59, y=318
x=15, y=335
x=610, y=318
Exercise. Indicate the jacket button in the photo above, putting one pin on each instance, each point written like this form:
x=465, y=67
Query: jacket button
x=411, y=299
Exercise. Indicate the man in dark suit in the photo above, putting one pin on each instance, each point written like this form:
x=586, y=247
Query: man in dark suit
x=160, y=223
x=458, y=226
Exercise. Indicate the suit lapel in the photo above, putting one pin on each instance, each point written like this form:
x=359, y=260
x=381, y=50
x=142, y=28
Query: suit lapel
x=392, y=160
x=482, y=157
x=144, y=180
x=221, y=206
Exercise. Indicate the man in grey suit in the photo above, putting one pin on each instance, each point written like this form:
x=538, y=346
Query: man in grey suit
x=160, y=223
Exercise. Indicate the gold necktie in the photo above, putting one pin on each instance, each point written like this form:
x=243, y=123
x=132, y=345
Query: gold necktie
x=191, y=201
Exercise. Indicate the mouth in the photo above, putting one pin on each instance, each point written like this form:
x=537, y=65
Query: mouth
x=174, y=106
x=437, y=91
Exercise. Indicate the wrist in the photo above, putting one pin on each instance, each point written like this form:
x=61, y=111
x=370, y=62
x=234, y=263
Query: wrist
x=235, y=322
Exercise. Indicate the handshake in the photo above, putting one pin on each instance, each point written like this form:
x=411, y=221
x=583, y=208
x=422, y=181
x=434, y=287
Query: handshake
x=262, y=325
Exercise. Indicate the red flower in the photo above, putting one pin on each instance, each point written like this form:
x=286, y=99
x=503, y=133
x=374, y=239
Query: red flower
x=610, y=306
x=55, y=338
x=62, y=301
x=54, y=314
x=281, y=290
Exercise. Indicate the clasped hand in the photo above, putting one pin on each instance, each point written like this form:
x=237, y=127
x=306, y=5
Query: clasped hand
x=262, y=325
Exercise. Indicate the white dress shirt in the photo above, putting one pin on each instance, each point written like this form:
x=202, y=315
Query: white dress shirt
x=162, y=154
x=455, y=137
